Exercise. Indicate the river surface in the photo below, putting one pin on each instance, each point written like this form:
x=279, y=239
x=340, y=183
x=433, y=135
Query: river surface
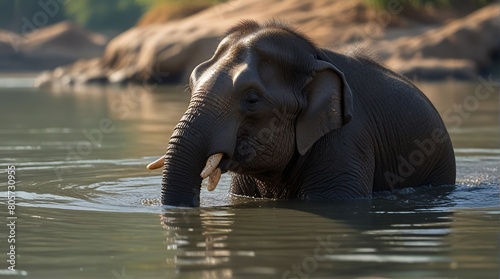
x=86, y=207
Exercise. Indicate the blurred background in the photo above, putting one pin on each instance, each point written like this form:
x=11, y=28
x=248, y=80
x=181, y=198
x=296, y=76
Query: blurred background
x=140, y=39
x=116, y=16
x=111, y=17
x=91, y=90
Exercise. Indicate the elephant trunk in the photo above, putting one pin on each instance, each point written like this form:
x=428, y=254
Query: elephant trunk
x=184, y=160
x=194, y=152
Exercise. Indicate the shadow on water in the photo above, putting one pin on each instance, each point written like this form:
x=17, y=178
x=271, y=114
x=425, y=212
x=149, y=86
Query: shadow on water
x=94, y=213
x=360, y=238
x=439, y=232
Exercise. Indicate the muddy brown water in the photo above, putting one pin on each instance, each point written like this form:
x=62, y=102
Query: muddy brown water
x=86, y=207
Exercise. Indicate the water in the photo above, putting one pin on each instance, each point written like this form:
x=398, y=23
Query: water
x=86, y=207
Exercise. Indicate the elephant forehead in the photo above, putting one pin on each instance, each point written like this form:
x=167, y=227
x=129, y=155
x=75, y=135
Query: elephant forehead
x=215, y=79
x=280, y=47
x=259, y=60
x=245, y=73
x=225, y=78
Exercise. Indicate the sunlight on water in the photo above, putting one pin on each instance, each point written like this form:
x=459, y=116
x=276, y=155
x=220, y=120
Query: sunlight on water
x=17, y=82
x=86, y=203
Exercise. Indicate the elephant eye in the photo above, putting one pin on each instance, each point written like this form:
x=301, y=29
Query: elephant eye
x=252, y=101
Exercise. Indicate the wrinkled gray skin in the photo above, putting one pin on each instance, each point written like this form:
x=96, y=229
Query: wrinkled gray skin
x=298, y=122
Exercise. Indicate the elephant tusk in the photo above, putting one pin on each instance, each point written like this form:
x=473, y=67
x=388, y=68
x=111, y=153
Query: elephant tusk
x=213, y=179
x=157, y=164
x=211, y=165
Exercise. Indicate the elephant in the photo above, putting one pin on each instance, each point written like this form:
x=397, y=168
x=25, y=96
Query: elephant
x=291, y=120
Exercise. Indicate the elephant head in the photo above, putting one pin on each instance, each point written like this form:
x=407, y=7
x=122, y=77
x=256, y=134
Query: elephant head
x=261, y=101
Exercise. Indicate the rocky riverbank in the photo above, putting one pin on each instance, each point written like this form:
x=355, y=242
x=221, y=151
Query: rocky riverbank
x=48, y=48
x=167, y=52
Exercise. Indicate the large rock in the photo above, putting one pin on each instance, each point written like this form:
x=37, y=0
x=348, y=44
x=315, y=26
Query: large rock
x=460, y=48
x=168, y=52
x=49, y=47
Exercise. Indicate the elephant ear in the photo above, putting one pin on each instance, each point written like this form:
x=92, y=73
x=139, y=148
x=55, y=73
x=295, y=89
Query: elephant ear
x=329, y=105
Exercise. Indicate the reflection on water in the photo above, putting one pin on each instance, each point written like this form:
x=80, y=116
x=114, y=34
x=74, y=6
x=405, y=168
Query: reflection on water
x=470, y=111
x=294, y=239
x=87, y=208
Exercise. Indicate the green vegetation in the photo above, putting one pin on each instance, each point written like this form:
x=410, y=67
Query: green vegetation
x=119, y=15
x=432, y=3
x=104, y=14
x=14, y=14
x=23, y=15
x=101, y=15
